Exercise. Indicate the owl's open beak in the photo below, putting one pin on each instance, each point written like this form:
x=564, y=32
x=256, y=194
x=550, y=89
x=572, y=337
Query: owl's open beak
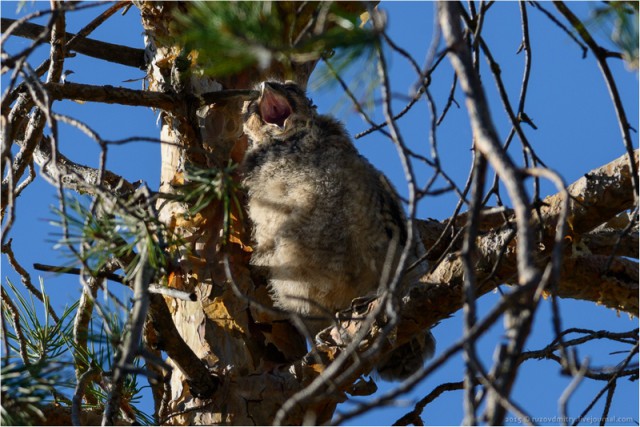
x=274, y=107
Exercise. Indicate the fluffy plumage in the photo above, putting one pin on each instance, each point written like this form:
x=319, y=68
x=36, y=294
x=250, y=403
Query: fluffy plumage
x=325, y=221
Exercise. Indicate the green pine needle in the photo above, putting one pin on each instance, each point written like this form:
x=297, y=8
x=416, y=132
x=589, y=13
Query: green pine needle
x=232, y=36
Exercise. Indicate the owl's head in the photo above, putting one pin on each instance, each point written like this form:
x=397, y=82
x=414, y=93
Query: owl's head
x=281, y=110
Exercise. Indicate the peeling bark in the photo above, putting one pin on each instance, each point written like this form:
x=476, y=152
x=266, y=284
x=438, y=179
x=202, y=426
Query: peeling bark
x=235, y=342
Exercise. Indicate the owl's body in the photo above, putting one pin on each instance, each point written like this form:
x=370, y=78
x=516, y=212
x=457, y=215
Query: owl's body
x=327, y=225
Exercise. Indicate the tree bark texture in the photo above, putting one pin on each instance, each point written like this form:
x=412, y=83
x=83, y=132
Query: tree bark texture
x=232, y=339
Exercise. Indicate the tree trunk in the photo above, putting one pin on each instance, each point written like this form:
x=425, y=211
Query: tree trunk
x=241, y=346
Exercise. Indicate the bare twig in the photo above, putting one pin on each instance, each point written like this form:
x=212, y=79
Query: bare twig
x=17, y=327
x=612, y=380
x=601, y=58
x=118, y=54
x=131, y=344
x=450, y=100
x=416, y=97
x=607, y=406
x=487, y=143
x=25, y=277
x=563, y=401
x=469, y=309
x=629, y=337
x=354, y=101
x=414, y=415
x=560, y=25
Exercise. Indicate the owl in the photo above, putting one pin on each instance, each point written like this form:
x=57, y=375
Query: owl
x=327, y=226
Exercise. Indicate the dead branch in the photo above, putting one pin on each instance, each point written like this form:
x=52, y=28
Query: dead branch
x=78, y=177
x=124, y=55
x=413, y=417
x=594, y=201
x=153, y=288
x=111, y=95
x=200, y=380
x=119, y=95
x=601, y=55
x=596, y=198
x=609, y=282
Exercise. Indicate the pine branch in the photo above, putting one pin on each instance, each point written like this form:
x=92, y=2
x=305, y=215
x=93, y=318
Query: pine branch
x=153, y=288
x=75, y=176
x=606, y=192
x=118, y=54
x=620, y=239
x=111, y=95
x=140, y=98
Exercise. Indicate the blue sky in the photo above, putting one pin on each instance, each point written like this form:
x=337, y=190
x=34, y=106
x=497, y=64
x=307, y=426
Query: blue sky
x=567, y=100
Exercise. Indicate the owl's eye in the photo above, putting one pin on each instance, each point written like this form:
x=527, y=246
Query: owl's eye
x=292, y=87
x=296, y=90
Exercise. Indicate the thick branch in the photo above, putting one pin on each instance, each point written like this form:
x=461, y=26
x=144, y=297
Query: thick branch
x=610, y=282
x=140, y=98
x=111, y=95
x=613, y=241
x=595, y=199
x=118, y=54
x=601, y=57
x=201, y=381
x=74, y=176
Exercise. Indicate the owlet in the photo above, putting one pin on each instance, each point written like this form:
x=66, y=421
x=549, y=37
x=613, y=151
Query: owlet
x=327, y=225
